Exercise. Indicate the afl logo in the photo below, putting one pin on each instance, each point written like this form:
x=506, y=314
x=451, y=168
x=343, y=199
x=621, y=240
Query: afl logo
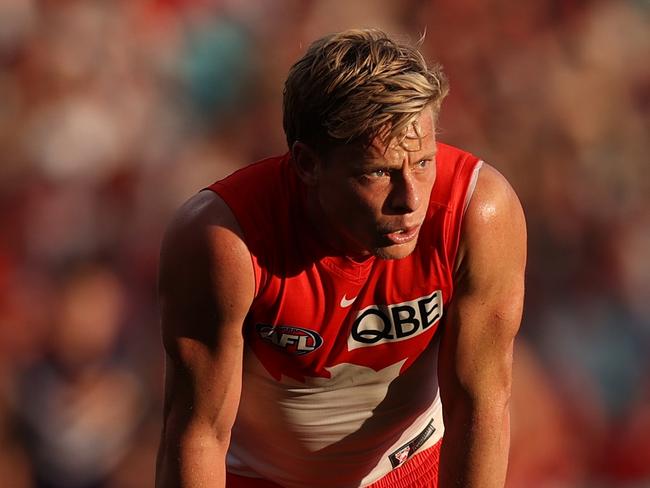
x=295, y=340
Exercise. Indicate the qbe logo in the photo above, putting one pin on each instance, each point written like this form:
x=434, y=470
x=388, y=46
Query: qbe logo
x=378, y=324
x=295, y=340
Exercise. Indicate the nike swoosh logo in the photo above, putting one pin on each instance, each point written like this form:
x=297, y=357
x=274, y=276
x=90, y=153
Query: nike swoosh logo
x=346, y=303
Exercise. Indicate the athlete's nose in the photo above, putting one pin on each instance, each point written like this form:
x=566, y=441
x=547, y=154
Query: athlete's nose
x=405, y=195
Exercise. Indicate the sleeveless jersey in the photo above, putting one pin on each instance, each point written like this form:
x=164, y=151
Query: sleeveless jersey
x=340, y=362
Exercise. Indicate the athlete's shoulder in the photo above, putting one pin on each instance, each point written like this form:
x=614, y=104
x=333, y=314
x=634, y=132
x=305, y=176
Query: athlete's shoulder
x=493, y=196
x=494, y=216
x=201, y=212
x=203, y=234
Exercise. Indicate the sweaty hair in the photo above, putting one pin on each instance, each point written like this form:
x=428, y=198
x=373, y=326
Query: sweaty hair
x=356, y=85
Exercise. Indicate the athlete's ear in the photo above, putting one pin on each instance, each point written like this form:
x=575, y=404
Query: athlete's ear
x=306, y=163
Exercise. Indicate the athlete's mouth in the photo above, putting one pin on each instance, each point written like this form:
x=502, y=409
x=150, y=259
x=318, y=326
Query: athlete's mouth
x=403, y=235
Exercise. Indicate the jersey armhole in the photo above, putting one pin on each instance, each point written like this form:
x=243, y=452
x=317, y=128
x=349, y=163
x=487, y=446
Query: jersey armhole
x=256, y=268
x=461, y=209
x=472, y=185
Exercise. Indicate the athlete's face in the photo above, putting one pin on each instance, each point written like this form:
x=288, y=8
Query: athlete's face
x=374, y=199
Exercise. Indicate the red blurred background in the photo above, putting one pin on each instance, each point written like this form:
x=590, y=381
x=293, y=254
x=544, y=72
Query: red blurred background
x=114, y=112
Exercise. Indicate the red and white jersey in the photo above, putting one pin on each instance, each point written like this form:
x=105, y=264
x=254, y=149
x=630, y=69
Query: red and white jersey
x=340, y=364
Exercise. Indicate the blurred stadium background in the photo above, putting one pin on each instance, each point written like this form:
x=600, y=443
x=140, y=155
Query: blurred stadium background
x=114, y=112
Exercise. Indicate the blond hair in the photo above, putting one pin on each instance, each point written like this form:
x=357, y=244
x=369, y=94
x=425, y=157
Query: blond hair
x=356, y=85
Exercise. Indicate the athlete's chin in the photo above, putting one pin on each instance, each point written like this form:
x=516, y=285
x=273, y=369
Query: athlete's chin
x=395, y=251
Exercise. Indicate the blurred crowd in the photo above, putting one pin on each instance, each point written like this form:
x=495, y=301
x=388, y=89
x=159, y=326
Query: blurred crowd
x=112, y=113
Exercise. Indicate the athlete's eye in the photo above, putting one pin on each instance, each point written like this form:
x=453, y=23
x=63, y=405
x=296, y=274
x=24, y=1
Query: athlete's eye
x=423, y=163
x=378, y=173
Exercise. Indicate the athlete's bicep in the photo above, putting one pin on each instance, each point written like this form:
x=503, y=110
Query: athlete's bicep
x=206, y=287
x=485, y=313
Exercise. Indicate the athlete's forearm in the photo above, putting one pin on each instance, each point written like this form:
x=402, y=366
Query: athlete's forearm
x=475, y=446
x=194, y=459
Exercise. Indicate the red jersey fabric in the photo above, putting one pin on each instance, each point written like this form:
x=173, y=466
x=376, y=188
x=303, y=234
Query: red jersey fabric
x=421, y=471
x=340, y=382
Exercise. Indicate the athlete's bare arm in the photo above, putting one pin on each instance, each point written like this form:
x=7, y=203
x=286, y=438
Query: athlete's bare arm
x=475, y=365
x=206, y=287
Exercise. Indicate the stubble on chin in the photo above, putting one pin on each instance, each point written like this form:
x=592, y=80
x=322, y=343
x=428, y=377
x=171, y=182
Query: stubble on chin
x=389, y=253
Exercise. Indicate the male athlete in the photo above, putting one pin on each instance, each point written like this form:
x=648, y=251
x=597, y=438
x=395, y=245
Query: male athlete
x=344, y=315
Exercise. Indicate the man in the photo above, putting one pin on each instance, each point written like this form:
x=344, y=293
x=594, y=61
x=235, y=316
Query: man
x=329, y=313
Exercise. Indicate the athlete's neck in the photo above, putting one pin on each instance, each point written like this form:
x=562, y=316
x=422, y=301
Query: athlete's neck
x=328, y=235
